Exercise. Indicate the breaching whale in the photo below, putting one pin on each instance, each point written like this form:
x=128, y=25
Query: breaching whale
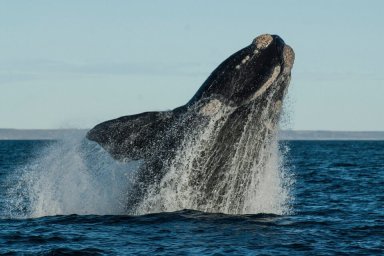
x=204, y=154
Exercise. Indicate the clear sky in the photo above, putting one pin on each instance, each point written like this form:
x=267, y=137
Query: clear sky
x=72, y=64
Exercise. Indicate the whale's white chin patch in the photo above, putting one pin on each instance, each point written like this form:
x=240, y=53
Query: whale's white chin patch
x=268, y=83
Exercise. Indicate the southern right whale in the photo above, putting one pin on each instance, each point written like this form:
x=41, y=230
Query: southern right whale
x=204, y=154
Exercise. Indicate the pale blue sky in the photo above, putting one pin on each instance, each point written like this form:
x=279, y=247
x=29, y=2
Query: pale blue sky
x=66, y=64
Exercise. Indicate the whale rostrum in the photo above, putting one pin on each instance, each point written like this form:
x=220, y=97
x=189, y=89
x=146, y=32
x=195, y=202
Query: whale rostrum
x=204, y=155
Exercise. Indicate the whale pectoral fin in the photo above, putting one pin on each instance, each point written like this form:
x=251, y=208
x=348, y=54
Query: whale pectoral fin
x=132, y=137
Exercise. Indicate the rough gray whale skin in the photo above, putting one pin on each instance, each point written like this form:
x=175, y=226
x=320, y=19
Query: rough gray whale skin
x=251, y=84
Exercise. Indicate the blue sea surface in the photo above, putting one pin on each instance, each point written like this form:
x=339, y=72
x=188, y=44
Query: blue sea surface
x=338, y=209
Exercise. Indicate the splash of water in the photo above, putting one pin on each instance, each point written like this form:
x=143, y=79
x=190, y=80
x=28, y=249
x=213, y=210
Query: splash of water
x=73, y=176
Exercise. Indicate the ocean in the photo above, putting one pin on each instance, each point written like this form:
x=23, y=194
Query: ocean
x=51, y=205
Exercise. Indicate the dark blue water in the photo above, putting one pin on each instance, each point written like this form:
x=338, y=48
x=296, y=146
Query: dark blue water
x=338, y=210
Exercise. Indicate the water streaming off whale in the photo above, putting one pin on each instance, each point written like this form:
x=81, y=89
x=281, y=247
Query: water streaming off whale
x=253, y=182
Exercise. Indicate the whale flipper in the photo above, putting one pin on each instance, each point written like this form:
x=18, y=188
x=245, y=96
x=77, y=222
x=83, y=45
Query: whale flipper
x=132, y=137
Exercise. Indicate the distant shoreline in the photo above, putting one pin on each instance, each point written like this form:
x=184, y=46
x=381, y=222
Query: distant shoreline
x=40, y=134
x=331, y=135
x=58, y=134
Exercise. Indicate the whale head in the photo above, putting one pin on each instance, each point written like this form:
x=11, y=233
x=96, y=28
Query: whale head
x=250, y=73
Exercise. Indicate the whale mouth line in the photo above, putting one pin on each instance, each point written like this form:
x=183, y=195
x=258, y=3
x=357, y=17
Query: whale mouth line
x=271, y=80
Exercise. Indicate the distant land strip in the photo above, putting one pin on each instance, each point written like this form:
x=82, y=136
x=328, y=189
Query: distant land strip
x=59, y=134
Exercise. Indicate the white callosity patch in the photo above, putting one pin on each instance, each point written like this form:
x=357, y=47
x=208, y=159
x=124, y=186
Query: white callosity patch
x=263, y=41
x=289, y=58
x=245, y=59
x=211, y=108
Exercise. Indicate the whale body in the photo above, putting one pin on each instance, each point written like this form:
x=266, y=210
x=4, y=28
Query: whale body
x=204, y=155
